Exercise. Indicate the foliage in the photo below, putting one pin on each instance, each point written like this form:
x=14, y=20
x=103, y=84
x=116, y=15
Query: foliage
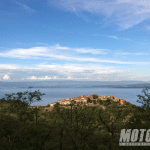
x=145, y=102
x=94, y=101
x=108, y=101
x=88, y=100
x=75, y=127
x=48, y=105
x=95, y=96
x=100, y=102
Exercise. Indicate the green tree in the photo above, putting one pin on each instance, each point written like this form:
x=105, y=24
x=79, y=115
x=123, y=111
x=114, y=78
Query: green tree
x=79, y=125
x=145, y=102
x=95, y=96
x=15, y=135
x=73, y=127
x=20, y=105
x=100, y=102
x=88, y=100
x=145, y=105
x=108, y=101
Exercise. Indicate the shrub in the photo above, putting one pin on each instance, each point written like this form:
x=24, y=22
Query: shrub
x=100, y=102
x=108, y=100
x=88, y=100
x=48, y=105
x=95, y=96
x=94, y=101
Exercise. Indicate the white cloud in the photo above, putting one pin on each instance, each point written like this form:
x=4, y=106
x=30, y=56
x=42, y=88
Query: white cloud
x=82, y=73
x=122, y=53
x=147, y=28
x=114, y=37
x=126, y=13
x=141, y=54
x=64, y=72
x=57, y=46
x=74, y=67
x=92, y=51
x=32, y=78
x=131, y=53
x=26, y=7
x=25, y=53
x=106, y=77
x=127, y=39
x=67, y=54
x=6, y=77
x=45, y=78
x=80, y=50
x=5, y=66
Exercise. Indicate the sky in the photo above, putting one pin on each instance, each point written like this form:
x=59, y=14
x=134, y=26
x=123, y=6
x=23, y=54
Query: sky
x=79, y=40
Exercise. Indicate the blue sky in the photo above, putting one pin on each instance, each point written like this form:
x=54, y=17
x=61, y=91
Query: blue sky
x=74, y=40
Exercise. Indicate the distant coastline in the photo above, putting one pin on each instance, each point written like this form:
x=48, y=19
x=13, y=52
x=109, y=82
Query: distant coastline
x=104, y=86
x=77, y=84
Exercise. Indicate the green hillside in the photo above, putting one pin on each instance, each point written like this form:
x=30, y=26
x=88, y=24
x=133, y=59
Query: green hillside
x=94, y=126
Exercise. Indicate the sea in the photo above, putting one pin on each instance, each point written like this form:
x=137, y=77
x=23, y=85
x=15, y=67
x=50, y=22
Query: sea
x=55, y=93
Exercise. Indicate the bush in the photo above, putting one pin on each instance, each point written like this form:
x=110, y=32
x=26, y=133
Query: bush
x=88, y=100
x=108, y=101
x=95, y=96
x=94, y=101
x=127, y=103
x=100, y=102
x=48, y=105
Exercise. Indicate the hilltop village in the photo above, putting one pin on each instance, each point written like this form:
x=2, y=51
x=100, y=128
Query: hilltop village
x=84, y=98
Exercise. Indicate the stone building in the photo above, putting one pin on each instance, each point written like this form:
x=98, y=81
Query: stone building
x=52, y=104
x=83, y=98
x=67, y=102
x=116, y=99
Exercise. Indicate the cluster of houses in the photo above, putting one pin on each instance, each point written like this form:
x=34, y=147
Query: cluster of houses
x=84, y=98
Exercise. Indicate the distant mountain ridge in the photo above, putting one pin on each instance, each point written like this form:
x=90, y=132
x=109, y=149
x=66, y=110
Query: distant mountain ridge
x=77, y=84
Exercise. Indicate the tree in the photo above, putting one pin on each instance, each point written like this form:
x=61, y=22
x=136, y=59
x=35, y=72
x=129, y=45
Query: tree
x=79, y=124
x=100, y=102
x=88, y=100
x=145, y=105
x=74, y=127
x=14, y=134
x=112, y=119
x=108, y=101
x=145, y=102
x=94, y=101
x=95, y=96
x=20, y=105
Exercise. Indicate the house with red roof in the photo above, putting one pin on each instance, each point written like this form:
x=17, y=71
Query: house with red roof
x=122, y=101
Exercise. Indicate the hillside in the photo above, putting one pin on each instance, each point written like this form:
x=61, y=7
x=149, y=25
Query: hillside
x=91, y=125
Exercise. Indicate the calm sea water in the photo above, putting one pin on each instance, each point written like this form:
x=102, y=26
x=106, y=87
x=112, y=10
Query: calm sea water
x=55, y=94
